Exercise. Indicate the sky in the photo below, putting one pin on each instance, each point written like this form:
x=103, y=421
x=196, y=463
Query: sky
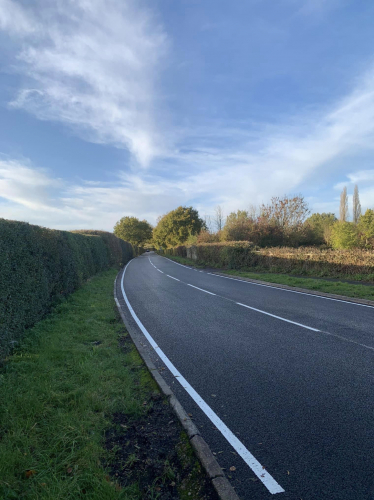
x=113, y=108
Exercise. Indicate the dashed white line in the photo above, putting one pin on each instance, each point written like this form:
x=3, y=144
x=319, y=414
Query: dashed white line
x=273, y=315
x=238, y=446
x=172, y=277
x=278, y=317
x=202, y=289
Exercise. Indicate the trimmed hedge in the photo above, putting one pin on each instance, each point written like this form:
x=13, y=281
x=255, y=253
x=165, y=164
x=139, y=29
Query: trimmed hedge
x=356, y=263
x=39, y=266
x=118, y=251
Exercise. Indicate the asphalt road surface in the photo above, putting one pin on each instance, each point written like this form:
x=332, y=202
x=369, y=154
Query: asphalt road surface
x=288, y=377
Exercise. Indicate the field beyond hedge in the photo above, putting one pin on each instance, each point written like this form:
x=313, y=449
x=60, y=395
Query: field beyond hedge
x=354, y=264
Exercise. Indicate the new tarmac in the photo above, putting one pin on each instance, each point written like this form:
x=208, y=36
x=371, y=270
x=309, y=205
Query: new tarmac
x=280, y=384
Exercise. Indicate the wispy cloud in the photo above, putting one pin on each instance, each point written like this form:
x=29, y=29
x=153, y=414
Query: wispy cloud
x=316, y=7
x=15, y=19
x=26, y=186
x=92, y=65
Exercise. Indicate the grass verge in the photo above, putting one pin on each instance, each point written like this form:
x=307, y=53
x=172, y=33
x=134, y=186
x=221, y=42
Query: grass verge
x=320, y=285
x=64, y=391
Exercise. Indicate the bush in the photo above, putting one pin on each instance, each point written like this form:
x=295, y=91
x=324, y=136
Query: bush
x=232, y=255
x=344, y=235
x=39, y=267
x=366, y=229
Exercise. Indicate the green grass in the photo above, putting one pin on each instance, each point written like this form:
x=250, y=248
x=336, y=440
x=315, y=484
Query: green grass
x=320, y=285
x=57, y=395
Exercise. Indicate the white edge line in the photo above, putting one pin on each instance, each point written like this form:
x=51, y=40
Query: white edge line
x=197, y=288
x=277, y=287
x=246, y=455
x=279, y=317
x=294, y=291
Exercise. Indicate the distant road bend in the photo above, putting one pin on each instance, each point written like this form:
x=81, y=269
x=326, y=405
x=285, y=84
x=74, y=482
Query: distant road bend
x=279, y=383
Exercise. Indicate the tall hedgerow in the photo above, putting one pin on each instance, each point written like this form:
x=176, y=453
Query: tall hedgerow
x=39, y=266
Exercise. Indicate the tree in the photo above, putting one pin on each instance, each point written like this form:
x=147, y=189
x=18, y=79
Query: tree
x=131, y=229
x=287, y=212
x=177, y=226
x=356, y=205
x=218, y=218
x=252, y=211
x=344, y=235
x=343, y=208
x=366, y=228
x=207, y=237
x=238, y=227
x=320, y=225
x=208, y=223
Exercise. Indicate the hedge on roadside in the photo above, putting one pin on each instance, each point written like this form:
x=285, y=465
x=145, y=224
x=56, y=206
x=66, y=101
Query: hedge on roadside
x=39, y=266
x=356, y=263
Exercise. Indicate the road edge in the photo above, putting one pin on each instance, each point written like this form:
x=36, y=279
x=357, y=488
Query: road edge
x=307, y=291
x=213, y=470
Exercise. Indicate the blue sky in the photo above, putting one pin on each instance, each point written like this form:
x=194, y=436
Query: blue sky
x=120, y=107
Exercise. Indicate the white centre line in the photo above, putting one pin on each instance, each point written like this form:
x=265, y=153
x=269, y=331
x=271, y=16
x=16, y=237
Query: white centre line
x=238, y=446
x=206, y=291
x=172, y=277
x=346, y=339
x=276, y=287
x=278, y=317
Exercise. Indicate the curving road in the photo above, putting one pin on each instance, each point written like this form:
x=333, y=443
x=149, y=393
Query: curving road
x=279, y=383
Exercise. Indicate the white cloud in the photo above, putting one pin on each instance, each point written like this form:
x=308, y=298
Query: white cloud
x=25, y=186
x=15, y=20
x=92, y=65
x=316, y=8
x=362, y=176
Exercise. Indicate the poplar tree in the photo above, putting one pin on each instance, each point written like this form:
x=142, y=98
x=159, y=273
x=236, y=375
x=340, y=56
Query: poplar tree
x=343, y=209
x=356, y=205
x=219, y=218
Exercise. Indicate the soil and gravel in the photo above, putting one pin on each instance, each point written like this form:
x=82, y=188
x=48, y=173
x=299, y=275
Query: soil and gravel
x=154, y=451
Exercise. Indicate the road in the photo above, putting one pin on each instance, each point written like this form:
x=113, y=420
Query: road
x=288, y=376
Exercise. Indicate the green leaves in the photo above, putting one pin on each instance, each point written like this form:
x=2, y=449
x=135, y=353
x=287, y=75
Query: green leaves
x=39, y=267
x=177, y=226
x=131, y=229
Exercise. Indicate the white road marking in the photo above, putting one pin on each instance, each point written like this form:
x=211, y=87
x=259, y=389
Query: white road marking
x=291, y=291
x=238, y=446
x=172, y=277
x=278, y=317
x=178, y=264
x=159, y=270
x=206, y=291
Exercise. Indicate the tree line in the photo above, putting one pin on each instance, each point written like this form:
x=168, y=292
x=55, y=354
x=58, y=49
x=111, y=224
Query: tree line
x=284, y=221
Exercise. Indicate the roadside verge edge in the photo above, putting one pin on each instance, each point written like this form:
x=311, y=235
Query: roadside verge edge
x=213, y=470
x=307, y=291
